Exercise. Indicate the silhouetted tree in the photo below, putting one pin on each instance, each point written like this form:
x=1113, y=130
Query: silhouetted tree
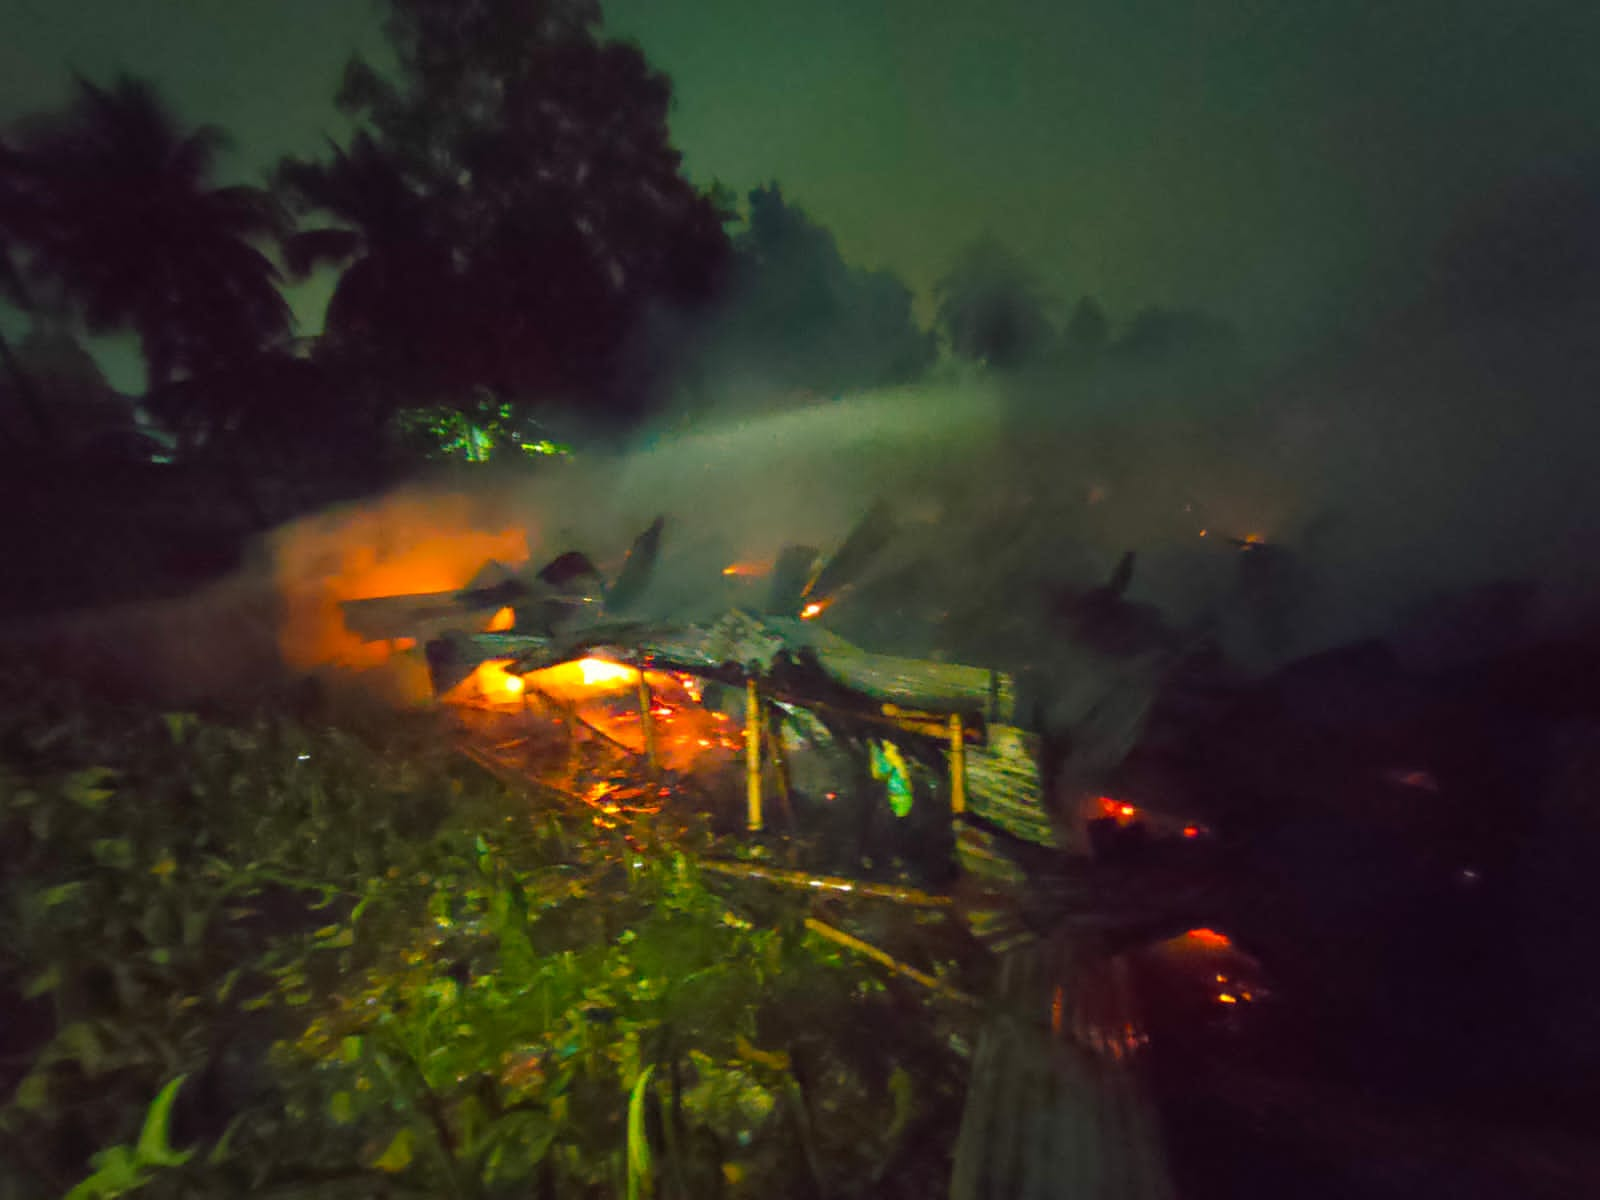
x=395, y=311
x=992, y=307
x=797, y=316
x=1087, y=332
x=113, y=203
x=1163, y=334
x=14, y=291
x=526, y=159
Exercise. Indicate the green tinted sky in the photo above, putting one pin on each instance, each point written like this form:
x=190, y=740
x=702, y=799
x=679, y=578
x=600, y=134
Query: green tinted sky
x=1258, y=158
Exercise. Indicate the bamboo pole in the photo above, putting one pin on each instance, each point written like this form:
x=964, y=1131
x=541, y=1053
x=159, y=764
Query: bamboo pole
x=752, y=753
x=647, y=723
x=895, y=966
x=958, y=766
x=828, y=883
x=773, y=741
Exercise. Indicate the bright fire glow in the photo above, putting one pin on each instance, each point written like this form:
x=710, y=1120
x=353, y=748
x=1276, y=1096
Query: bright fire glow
x=495, y=682
x=746, y=570
x=409, y=544
x=815, y=609
x=598, y=671
x=504, y=619
x=1119, y=810
x=1209, y=937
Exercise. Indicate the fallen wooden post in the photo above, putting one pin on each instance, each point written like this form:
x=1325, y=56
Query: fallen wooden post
x=894, y=965
x=828, y=883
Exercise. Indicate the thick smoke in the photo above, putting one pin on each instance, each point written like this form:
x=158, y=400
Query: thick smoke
x=1393, y=481
x=1387, y=479
x=1428, y=482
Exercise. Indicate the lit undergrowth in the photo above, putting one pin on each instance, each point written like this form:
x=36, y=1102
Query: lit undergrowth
x=375, y=971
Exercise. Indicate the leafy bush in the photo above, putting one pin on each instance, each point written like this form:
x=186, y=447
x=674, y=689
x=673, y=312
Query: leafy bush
x=378, y=972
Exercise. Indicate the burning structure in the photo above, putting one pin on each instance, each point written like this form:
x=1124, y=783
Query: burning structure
x=764, y=716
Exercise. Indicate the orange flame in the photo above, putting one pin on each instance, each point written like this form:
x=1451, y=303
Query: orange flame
x=503, y=619
x=597, y=671
x=815, y=609
x=747, y=570
x=407, y=544
x=1119, y=810
x=494, y=682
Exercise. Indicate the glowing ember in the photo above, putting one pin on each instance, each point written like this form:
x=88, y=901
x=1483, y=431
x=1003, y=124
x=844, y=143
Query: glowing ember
x=746, y=570
x=815, y=609
x=1118, y=810
x=1209, y=937
x=496, y=683
x=504, y=619
x=599, y=671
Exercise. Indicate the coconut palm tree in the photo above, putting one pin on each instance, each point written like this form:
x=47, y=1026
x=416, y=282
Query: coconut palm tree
x=394, y=301
x=114, y=204
x=14, y=292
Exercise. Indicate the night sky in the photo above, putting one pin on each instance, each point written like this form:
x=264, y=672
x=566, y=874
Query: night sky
x=1285, y=164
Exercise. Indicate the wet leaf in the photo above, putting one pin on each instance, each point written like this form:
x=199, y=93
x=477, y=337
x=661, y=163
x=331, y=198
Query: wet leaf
x=46, y=981
x=33, y=1093
x=60, y=894
x=641, y=1180
x=229, y=981
x=113, y=852
x=88, y=789
x=153, y=1146
x=179, y=725
x=397, y=1155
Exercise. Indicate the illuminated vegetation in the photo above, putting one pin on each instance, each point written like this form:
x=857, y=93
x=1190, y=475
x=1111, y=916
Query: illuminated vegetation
x=351, y=965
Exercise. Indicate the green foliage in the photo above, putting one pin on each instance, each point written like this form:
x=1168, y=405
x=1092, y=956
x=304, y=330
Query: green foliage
x=370, y=967
x=124, y=1169
x=485, y=429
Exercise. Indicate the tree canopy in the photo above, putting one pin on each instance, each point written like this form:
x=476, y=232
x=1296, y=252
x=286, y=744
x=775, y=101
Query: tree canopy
x=512, y=206
x=797, y=316
x=115, y=210
x=992, y=307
